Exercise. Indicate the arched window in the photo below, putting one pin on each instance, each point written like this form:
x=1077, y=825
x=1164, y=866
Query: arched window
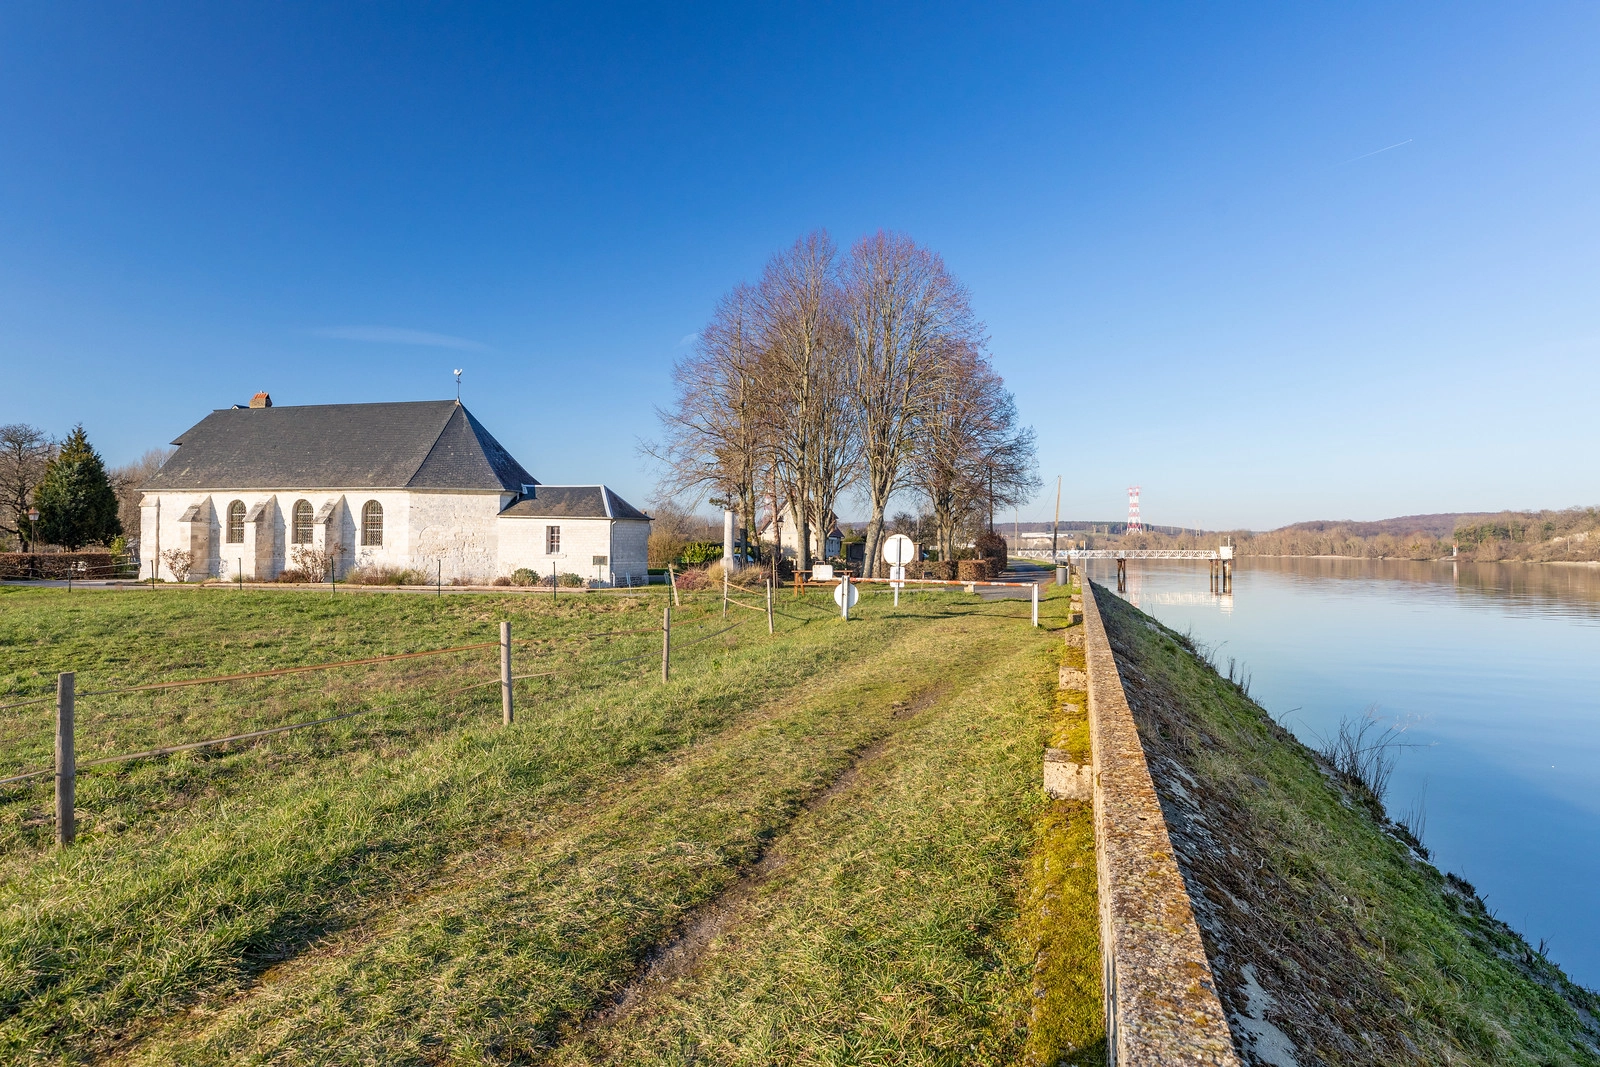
x=300, y=525
x=236, y=523
x=372, y=523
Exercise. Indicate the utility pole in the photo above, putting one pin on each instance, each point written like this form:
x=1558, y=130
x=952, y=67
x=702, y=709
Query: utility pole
x=1055, y=527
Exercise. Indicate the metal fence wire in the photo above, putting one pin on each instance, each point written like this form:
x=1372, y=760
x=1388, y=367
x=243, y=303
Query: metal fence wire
x=133, y=722
x=130, y=720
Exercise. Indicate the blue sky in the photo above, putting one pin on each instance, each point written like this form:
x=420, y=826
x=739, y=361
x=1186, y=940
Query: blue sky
x=1200, y=270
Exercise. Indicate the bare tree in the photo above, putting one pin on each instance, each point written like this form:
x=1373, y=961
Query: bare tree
x=25, y=451
x=126, y=481
x=903, y=309
x=971, y=456
x=713, y=436
x=810, y=440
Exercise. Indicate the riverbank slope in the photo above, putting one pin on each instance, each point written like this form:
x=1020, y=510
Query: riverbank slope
x=1332, y=938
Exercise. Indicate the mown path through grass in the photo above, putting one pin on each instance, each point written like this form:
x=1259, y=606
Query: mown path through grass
x=467, y=893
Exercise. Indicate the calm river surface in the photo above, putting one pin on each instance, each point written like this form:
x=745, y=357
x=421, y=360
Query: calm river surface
x=1494, y=670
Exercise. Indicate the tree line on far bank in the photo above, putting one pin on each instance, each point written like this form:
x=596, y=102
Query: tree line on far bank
x=1565, y=535
x=80, y=502
x=865, y=371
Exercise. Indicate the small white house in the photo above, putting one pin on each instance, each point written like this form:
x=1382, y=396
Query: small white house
x=577, y=529
x=254, y=491
x=788, y=536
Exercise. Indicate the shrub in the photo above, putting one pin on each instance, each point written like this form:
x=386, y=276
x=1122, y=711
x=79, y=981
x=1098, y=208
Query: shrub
x=180, y=561
x=313, y=562
x=698, y=552
x=524, y=576
x=291, y=574
x=385, y=576
x=502, y=580
x=570, y=581
x=692, y=579
x=973, y=570
x=992, y=547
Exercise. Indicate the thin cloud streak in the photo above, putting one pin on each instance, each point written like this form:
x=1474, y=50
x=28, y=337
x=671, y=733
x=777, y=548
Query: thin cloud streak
x=1407, y=141
x=395, y=335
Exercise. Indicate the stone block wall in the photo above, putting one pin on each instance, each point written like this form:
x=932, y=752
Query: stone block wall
x=1161, y=996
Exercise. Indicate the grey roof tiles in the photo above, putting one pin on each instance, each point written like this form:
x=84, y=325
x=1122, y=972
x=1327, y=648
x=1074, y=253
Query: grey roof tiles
x=428, y=444
x=574, y=502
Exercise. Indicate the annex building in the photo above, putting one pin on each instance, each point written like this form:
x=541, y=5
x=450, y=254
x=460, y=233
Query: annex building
x=253, y=491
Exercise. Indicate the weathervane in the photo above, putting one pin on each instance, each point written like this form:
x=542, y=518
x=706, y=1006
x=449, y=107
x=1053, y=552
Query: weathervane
x=458, y=385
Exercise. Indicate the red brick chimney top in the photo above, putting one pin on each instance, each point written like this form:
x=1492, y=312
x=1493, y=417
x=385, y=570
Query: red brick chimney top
x=261, y=400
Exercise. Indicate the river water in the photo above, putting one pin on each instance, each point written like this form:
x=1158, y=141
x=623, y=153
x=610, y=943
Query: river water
x=1493, y=671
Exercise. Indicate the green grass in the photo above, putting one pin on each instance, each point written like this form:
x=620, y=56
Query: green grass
x=1373, y=955
x=421, y=885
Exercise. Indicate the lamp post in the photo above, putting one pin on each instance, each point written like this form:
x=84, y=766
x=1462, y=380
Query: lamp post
x=33, y=539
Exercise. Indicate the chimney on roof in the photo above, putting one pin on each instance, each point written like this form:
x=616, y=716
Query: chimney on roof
x=261, y=400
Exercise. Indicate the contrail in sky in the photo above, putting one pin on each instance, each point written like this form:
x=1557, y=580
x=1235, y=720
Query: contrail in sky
x=1407, y=141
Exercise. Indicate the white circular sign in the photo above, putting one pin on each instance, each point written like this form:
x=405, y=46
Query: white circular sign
x=839, y=593
x=899, y=549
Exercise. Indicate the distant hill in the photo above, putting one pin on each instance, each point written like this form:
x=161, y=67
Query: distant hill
x=1442, y=524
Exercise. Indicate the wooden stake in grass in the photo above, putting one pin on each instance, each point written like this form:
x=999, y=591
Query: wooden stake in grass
x=769, y=607
x=505, y=672
x=672, y=580
x=666, y=642
x=66, y=760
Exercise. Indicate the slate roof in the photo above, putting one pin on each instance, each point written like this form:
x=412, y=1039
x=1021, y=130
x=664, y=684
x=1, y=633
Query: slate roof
x=427, y=444
x=574, y=502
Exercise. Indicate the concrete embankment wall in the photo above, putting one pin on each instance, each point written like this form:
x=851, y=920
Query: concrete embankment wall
x=1162, y=1005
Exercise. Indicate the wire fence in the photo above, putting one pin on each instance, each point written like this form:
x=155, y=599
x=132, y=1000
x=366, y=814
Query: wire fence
x=97, y=727
x=125, y=723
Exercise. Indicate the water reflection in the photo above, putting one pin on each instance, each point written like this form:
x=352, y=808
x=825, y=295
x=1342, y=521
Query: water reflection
x=1495, y=666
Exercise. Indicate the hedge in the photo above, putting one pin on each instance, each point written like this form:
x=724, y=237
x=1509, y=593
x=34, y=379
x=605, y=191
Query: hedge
x=58, y=566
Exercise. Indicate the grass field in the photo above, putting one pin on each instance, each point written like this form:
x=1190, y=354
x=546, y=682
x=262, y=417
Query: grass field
x=826, y=846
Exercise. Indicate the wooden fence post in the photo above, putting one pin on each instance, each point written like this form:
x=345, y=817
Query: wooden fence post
x=724, y=589
x=505, y=672
x=666, y=642
x=769, y=608
x=66, y=760
x=672, y=580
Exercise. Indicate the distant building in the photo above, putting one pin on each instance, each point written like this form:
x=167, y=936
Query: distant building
x=788, y=536
x=254, y=491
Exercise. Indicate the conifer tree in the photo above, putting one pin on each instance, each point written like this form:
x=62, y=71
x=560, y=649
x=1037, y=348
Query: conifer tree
x=76, y=503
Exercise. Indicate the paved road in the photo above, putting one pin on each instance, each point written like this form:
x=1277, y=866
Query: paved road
x=1033, y=573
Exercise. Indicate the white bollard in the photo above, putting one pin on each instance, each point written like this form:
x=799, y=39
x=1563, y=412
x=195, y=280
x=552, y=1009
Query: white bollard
x=1036, y=603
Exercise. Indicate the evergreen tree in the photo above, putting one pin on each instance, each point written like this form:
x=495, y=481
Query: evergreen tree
x=76, y=503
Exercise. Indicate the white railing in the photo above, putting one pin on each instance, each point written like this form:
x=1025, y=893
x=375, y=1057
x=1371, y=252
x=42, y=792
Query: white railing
x=1073, y=555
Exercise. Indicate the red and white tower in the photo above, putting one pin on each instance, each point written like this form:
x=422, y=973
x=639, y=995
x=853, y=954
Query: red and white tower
x=1134, y=525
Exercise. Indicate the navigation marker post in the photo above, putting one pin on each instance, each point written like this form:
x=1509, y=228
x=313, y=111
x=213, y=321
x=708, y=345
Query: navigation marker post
x=845, y=595
x=898, y=549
